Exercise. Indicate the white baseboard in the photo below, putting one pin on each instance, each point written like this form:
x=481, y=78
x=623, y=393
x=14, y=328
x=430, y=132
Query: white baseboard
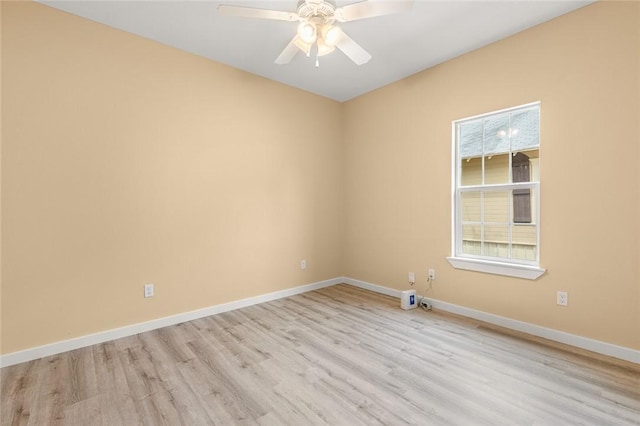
x=104, y=336
x=597, y=346
x=592, y=345
x=373, y=287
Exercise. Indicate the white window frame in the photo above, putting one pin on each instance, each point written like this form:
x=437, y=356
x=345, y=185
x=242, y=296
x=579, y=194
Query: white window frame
x=493, y=265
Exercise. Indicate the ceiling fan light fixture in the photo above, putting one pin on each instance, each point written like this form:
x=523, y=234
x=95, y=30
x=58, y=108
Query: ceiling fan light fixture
x=330, y=35
x=324, y=48
x=307, y=32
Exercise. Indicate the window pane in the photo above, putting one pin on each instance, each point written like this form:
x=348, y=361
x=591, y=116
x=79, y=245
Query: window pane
x=522, y=206
x=471, y=235
x=496, y=234
x=534, y=207
x=470, y=203
x=471, y=232
x=525, y=127
x=524, y=234
x=497, y=206
x=523, y=252
x=496, y=169
x=496, y=241
x=524, y=242
x=471, y=247
x=470, y=135
x=471, y=171
x=534, y=163
x=495, y=249
x=496, y=134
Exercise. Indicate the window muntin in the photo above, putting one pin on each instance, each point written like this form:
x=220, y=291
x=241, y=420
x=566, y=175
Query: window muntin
x=497, y=186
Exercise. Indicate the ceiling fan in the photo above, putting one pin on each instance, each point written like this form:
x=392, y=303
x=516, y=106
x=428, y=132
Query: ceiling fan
x=317, y=33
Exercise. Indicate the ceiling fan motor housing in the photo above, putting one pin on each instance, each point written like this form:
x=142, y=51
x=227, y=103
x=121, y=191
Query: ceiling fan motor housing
x=324, y=9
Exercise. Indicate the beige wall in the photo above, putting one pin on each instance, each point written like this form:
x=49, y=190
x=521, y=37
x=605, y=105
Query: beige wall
x=128, y=162
x=584, y=67
x=0, y=186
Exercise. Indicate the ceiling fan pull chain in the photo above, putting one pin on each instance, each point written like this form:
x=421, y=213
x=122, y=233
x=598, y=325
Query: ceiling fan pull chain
x=316, y=51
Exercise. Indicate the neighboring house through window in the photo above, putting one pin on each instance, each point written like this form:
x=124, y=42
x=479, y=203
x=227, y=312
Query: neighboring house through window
x=521, y=172
x=496, y=184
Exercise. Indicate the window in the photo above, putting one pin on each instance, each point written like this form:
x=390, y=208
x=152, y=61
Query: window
x=496, y=186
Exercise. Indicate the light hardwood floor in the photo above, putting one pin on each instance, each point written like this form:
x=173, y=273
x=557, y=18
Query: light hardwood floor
x=338, y=356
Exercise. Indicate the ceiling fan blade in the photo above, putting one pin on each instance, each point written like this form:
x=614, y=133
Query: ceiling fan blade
x=250, y=12
x=353, y=50
x=370, y=9
x=288, y=53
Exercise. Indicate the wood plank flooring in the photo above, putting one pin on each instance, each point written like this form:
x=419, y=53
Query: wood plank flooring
x=337, y=356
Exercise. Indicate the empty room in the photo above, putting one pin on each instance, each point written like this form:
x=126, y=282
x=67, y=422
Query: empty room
x=316, y=212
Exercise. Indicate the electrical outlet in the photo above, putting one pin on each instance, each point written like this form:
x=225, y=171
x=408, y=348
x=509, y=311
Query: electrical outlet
x=562, y=298
x=411, y=276
x=303, y=264
x=148, y=290
x=432, y=274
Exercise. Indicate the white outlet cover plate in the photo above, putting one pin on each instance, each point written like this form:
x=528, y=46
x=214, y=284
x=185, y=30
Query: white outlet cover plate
x=563, y=298
x=148, y=290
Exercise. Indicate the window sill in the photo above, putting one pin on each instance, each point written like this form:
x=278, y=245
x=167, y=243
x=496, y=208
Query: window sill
x=498, y=268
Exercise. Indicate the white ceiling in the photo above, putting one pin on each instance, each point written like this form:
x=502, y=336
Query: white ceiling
x=403, y=44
